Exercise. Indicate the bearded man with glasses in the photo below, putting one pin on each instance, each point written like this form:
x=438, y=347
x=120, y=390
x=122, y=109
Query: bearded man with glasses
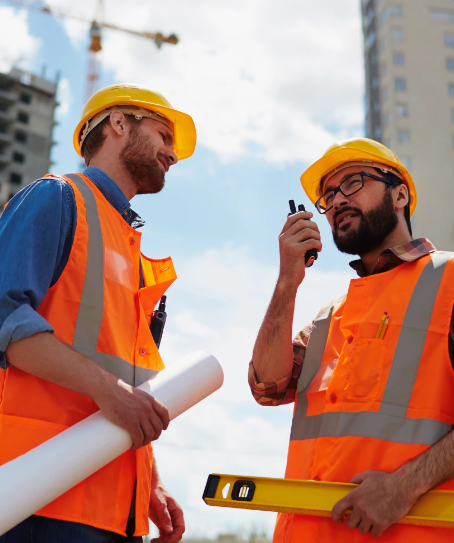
x=372, y=377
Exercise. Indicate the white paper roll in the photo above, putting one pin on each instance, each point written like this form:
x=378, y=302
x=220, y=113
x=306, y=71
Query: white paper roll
x=38, y=477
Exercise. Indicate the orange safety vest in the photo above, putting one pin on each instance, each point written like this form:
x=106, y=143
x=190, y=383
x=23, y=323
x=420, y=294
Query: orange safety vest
x=370, y=404
x=97, y=307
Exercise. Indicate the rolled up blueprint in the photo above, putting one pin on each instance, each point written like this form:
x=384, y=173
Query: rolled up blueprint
x=38, y=477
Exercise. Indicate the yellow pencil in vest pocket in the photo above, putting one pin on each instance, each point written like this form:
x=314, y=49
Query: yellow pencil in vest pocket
x=384, y=327
x=381, y=325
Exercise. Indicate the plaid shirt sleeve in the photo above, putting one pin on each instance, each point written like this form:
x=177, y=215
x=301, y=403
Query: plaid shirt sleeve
x=283, y=391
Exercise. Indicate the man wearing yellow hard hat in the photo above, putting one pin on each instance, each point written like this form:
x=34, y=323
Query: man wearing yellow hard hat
x=76, y=302
x=372, y=376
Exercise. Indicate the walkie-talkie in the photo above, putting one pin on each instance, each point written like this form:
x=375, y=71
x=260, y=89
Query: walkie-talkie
x=311, y=256
x=158, y=321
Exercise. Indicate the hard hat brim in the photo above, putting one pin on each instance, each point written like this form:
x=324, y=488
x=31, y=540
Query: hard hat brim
x=310, y=180
x=185, y=133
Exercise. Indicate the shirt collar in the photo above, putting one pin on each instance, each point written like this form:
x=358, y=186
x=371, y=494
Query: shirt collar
x=394, y=256
x=114, y=195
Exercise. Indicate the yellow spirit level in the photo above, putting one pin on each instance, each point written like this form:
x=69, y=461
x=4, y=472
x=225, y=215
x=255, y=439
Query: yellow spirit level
x=436, y=508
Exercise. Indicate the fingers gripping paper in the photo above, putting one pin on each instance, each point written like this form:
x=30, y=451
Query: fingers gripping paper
x=38, y=477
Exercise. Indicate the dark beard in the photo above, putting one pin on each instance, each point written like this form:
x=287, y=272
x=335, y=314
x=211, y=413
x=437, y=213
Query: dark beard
x=139, y=160
x=374, y=227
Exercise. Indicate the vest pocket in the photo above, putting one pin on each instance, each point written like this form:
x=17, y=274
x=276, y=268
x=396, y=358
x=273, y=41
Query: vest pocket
x=366, y=369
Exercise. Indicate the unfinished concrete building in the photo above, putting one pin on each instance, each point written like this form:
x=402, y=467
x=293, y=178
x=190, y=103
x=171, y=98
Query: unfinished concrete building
x=27, y=106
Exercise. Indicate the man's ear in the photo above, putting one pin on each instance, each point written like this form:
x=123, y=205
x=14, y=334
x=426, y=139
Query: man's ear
x=117, y=123
x=401, y=196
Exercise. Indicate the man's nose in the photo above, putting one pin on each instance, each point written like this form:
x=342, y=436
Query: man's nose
x=172, y=157
x=340, y=200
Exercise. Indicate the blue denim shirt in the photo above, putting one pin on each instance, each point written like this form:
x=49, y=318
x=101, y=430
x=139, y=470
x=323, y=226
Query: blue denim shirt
x=36, y=235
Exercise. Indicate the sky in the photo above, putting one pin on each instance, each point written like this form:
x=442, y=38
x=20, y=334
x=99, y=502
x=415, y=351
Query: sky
x=270, y=86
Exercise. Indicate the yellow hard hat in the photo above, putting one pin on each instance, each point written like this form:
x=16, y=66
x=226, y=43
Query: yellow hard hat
x=129, y=95
x=361, y=150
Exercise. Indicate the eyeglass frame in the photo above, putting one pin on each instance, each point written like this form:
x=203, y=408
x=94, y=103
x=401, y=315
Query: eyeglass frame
x=339, y=189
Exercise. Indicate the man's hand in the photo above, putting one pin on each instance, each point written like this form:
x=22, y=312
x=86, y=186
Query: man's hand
x=134, y=410
x=166, y=514
x=44, y=356
x=380, y=500
x=298, y=236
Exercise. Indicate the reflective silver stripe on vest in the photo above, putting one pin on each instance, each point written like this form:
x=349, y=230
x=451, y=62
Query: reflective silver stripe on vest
x=365, y=424
x=133, y=375
x=91, y=307
x=316, y=346
x=390, y=423
x=412, y=338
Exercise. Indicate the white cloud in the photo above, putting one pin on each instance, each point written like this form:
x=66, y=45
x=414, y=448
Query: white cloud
x=75, y=20
x=64, y=97
x=279, y=80
x=217, y=304
x=186, y=323
x=17, y=46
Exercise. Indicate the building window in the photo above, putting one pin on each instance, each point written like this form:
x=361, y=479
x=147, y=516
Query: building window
x=400, y=84
x=402, y=110
x=375, y=83
x=23, y=117
x=15, y=178
x=374, y=59
x=26, y=79
x=387, y=119
x=391, y=12
x=382, y=44
x=20, y=136
x=25, y=98
x=370, y=40
x=399, y=59
x=442, y=16
x=451, y=89
x=403, y=136
x=388, y=143
x=385, y=93
x=450, y=64
x=370, y=15
x=377, y=132
x=18, y=157
x=377, y=107
x=383, y=69
x=398, y=35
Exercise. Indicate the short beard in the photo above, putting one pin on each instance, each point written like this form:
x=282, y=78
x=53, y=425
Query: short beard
x=374, y=227
x=139, y=159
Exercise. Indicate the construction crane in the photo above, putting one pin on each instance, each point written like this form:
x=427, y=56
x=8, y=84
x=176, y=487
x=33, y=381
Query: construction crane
x=97, y=24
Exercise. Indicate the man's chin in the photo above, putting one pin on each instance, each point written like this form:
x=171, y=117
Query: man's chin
x=151, y=186
x=150, y=189
x=346, y=241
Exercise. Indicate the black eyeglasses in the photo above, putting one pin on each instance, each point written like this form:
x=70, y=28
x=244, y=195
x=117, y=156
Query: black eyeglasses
x=348, y=187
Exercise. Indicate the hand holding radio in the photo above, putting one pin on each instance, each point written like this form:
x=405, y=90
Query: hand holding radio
x=312, y=254
x=299, y=244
